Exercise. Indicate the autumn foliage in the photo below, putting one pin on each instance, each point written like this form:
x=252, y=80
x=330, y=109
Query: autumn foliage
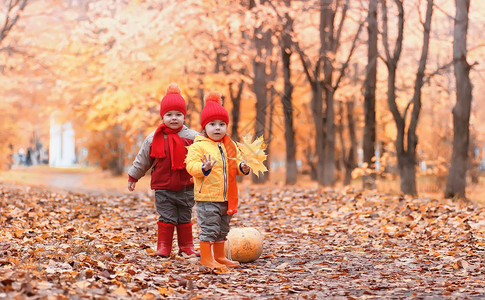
x=105, y=66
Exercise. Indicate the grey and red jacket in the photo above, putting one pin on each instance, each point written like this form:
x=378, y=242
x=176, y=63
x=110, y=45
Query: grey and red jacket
x=163, y=177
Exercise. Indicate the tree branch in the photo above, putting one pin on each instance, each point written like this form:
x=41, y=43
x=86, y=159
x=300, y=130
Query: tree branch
x=398, y=49
x=351, y=52
x=412, y=140
x=305, y=63
x=385, y=39
x=340, y=27
x=14, y=7
x=437, y=71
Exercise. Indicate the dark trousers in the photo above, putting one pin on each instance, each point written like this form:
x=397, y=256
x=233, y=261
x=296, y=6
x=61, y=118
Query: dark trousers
x=175, y=207
x=213, y=220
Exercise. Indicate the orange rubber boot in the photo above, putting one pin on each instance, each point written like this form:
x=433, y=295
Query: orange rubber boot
x=206, y=257
x=220, y=256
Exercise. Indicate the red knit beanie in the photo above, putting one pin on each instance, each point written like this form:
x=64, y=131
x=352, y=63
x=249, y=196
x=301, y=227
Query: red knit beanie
x=213, y=110
x=173, y=100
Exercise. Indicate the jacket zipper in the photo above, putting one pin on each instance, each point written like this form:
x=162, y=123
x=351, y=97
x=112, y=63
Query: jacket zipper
x=223, y=170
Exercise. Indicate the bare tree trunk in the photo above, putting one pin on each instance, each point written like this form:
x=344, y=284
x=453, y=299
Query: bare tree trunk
x=116, y=162
x=236, y=108
x=259, y=87
x=286, y=99
x=391, y=63
x=456, y=181
x=323, y=88
x=369, y=181
x=473, y=161
x=329, y=156
x=331, y=37
x=317, y=111
x=408, y=183
x=328, y=47
x=406, y=155
x=310, y=157
x=407, y=173
x=269, y=139
x=262, y=43
x=313, y=76
x=339, y=131
x=349, y=161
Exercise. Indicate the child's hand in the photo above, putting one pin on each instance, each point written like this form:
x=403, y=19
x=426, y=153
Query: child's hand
x=245, y=168
x=131, y=186
x=207, y=162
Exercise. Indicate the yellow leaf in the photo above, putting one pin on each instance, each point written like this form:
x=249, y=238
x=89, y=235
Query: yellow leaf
x=82, y=284
x=253, y=153
x=163, y=291
x=120, y=291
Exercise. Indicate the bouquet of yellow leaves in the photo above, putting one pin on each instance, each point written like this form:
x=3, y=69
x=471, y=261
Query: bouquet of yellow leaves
x=253, y=153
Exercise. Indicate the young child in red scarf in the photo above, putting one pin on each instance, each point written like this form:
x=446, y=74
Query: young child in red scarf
x=214, y=161
x=164, y=151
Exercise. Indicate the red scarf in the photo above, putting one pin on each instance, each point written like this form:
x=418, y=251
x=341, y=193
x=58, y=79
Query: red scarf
x=175, y=143
x=232, y=195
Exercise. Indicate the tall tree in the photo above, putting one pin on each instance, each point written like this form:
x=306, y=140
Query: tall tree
x=330, y=42
x=286, y=99
x=369, y=141
x=323, y=86
x=406, y=144
x=456, y=180
x=262, y=44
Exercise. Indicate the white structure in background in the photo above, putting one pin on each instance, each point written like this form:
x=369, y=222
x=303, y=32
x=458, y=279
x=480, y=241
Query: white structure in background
x=62, y=151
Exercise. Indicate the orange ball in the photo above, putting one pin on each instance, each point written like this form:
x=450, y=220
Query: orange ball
x=246, y=244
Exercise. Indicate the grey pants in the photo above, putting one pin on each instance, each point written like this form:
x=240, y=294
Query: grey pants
x=213, y=220
x=175, y=207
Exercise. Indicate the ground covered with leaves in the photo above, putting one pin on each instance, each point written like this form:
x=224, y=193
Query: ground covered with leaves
x=317, y=243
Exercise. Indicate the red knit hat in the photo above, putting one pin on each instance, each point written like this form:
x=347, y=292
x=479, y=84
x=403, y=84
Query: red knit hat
x=173, y=100
x=213, y=110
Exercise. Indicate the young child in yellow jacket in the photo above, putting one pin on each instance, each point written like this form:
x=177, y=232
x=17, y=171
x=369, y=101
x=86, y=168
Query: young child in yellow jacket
x=214, y=162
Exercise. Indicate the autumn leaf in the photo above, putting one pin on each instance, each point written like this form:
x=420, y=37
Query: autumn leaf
x=253, y=153
x=120, y=291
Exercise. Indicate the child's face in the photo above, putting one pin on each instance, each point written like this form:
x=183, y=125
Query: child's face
x=173, y=119
x=216, y=129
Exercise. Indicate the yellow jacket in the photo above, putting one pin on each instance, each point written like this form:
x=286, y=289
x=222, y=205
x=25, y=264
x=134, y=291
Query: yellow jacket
x=212, y=187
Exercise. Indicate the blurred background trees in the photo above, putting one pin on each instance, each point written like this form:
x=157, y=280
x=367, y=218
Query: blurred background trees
x=338, y=89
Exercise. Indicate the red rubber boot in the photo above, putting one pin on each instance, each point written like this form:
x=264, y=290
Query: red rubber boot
x=165, y=236
x=185, y=239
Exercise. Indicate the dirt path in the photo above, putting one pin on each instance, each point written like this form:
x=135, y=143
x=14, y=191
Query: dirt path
x=66, y=181
x=75, y=180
